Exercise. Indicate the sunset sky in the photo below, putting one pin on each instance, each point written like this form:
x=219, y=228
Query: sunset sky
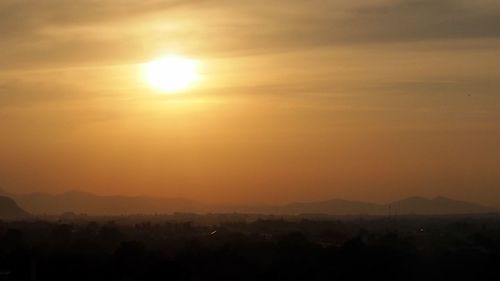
x=297, y=100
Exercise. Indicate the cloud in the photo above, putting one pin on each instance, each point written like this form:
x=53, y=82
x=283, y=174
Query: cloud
x=55, y=34
x=58, y=31
x=31, y=15
x=428, y=19
x=36, y=32
x=17, y=91
x=333, y=23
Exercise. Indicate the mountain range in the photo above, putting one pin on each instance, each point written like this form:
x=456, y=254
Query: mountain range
x=88, y=203
x=412, y=205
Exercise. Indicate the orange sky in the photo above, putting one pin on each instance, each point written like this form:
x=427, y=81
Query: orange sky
x=299, y=100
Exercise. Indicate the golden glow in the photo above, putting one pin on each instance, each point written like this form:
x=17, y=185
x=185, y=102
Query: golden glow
x=171, y=73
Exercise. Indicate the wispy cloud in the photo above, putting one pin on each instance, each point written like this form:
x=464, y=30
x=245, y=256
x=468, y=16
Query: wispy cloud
x=225, y=27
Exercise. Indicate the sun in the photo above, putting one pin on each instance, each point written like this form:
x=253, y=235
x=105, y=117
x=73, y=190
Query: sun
x=171, y=73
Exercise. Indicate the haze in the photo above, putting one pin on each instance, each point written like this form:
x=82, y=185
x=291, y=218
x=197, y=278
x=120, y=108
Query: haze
x=297, y=100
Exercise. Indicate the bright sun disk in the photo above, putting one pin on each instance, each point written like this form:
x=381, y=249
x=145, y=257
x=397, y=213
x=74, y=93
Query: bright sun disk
x=171, y=73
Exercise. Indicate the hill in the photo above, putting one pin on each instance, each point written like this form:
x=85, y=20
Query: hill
x=407, y=206
x=88, y=203
x=437, y=206
x=9, y=209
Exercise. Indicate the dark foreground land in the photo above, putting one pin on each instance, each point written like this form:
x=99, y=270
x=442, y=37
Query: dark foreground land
x=236, y=247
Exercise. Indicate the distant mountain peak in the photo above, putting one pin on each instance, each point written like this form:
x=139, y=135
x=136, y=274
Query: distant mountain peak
x=10, y=210
x=437, y=205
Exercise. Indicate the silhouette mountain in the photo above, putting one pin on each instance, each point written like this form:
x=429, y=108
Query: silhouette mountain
x=438, y=205
x=9, y=209
x=88, y=203
x=411, y=205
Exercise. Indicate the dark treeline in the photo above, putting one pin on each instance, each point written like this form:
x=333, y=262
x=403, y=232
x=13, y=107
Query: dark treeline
x=411, y=248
